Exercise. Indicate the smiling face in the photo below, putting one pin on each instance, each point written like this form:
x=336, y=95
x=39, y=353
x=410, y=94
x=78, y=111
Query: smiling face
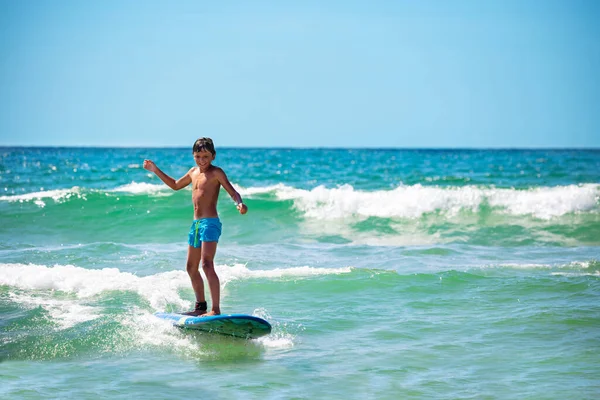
x=203, y=159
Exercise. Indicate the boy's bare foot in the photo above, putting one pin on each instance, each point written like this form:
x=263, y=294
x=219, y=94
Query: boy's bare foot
x=199, y=309
x=211, y=313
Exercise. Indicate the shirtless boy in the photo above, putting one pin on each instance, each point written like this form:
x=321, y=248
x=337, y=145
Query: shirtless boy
x=206, y=180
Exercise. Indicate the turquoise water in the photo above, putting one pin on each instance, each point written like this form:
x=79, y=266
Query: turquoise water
x=385, y=273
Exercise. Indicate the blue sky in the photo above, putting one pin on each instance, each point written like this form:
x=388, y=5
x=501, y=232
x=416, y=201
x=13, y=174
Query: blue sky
x=300, y=74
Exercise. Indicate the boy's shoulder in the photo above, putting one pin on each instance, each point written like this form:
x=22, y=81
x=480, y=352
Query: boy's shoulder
x=212, y=171
x=218, y=173
x=215, y=169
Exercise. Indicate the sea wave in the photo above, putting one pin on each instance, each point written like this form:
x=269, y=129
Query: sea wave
x=576, y=265
x=65, y=313
x=404, y=202
x=417, y=200
x=159, y=289
x=86, y=283
x=41, y=197
x=141, y=188
x=58, y=195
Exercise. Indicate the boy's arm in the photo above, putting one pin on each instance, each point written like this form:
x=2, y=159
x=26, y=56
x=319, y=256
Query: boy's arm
x=170, y=182
x=242, y=208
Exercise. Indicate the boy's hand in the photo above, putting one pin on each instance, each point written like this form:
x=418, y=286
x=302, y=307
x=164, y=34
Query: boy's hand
x=149, y=165
x=242, y=208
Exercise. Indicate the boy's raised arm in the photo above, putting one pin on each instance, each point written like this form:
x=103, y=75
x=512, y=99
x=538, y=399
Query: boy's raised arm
x=242, y=208
x=170, y=182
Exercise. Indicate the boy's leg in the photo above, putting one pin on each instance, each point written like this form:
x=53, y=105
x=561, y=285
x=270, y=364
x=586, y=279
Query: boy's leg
x=193, y=262
x=209, y=249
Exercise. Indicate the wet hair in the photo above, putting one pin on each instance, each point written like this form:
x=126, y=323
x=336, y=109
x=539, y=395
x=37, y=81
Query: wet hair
x=204, y=144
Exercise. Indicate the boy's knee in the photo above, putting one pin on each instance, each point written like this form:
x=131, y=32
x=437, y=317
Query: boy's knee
x=191, y=268
x=207, y=264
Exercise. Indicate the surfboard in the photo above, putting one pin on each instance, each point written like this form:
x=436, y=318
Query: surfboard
x=238, y=325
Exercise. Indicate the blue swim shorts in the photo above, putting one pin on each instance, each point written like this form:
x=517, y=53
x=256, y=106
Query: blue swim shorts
x=204, y=230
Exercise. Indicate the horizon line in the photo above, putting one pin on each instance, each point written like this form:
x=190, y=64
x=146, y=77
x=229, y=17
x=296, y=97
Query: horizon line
x=516, y=148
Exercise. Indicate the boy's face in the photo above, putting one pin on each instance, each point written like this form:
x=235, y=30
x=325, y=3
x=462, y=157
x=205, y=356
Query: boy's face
x=203, y=158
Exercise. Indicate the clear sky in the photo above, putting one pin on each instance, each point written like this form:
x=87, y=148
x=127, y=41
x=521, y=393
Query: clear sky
x=300, y=74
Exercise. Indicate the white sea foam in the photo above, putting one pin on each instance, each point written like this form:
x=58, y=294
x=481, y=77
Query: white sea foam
x=144, y=329
x=240, y=271
x=39, y=198
x=66, y=313
x=546, y=202
x=405, y=201
x=142, y=188
x=159, y=289
x=414, y=201
x=576, y=274
x=574, y=265
x=280, y=337
x=522, y=266
x=262, y=189
x=62, y=195
x=36, y=285
x=580, y=264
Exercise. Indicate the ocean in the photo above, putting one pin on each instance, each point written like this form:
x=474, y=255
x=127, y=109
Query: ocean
x=386, y=274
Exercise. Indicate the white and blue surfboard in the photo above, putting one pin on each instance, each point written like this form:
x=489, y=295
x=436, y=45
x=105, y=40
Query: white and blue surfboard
x=238, y=325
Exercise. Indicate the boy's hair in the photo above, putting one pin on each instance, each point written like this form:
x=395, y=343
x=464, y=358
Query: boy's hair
x=204, y=144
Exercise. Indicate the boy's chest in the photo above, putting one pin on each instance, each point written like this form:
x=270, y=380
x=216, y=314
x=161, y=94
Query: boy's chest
x=204, y=181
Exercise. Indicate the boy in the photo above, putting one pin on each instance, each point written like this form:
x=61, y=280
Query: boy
x=206, y=180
